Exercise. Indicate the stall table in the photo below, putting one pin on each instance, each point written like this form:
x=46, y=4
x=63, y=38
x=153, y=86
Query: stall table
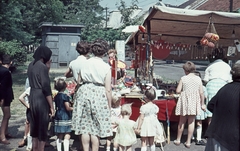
x=163, y=104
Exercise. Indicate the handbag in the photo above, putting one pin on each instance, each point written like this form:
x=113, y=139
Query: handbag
x=50, y=130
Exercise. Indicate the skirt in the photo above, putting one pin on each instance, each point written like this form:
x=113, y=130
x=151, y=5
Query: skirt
x=91, y=113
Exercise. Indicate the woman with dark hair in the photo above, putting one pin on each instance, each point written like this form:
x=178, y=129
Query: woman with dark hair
x=83, y=48
x=217, y=75
x=41, y=103
x=223, y=131
x=91, y=111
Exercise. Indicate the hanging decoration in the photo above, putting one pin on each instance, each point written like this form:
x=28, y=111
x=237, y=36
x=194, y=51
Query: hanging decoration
x=210, y=37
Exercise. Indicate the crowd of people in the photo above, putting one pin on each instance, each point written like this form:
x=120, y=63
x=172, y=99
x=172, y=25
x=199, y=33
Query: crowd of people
x=96, y=112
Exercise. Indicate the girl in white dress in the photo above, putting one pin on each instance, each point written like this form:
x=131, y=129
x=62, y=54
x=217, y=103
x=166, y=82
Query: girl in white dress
x=115, y=116
x=125, y=135
x=148, y=125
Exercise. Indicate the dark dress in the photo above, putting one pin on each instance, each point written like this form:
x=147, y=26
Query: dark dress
x=62, y=116
x=6, y=91
x=39, y=107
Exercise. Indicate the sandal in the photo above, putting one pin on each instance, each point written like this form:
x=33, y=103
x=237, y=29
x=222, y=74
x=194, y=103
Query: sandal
x=187, y=145
x=4, y=141
x=176, y=142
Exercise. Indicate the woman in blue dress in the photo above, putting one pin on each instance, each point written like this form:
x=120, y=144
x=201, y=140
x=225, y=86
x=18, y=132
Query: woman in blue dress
x=63, y=115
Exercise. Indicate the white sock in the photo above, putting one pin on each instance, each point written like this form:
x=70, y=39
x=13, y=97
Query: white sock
x=24, y=137
x=66, y=144
x=143, y=148
x=199, y=133
x=29, y=141
x=59, y=144
x=114, y=149
x=108, y=148
x=152, y=147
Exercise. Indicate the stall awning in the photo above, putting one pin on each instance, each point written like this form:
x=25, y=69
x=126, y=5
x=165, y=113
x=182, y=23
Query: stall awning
x=175, y=25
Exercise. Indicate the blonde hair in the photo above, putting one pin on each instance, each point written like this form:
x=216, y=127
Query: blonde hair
x=126, y=109
x=189, y=67
x=115, y=100
x=112, y=51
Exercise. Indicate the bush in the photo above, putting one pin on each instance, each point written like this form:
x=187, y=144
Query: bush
x=15, y=50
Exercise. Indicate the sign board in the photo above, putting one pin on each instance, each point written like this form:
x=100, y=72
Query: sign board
x=120, y=47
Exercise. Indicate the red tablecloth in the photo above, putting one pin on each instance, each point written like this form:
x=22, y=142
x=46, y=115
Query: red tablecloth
x=162, y=104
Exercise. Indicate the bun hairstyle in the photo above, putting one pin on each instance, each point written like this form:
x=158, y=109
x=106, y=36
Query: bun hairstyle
x=126, y=109
x=189, y=67
x=236, y=71
x=150, y=93
x=83, y=47
x=99, y=47
x=115, y=99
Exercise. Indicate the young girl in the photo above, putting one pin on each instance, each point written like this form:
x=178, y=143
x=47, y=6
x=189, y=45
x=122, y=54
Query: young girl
x=115, y=117
x=190, y=101
x=199, y=118
x=23, y=98
x=125, y=135
x=148, y=124
x=63, y=115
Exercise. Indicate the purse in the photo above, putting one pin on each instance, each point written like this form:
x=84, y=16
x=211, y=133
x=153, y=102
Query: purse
x=51, y=131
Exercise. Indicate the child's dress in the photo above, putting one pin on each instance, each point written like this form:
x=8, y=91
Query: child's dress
x=115, y=117
x=62, y=116
x=189, y=99
x=125, y=134
x=150, y=125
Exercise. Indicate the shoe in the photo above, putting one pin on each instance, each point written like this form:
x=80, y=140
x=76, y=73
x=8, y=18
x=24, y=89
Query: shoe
x=201, y=142
x=176, y=142
x=22, y=143
x=187, y=145
x=9, y=136
x=4, y=141
x=28, y=149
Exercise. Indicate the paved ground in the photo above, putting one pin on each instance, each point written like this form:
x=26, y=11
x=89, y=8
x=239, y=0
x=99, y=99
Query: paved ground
x=16, y=129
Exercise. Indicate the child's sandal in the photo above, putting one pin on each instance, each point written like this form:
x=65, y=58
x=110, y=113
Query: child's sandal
x=187, y=145
x=176, y=142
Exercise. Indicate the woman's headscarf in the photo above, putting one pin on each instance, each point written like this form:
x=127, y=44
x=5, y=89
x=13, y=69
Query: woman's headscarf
x=42, y=52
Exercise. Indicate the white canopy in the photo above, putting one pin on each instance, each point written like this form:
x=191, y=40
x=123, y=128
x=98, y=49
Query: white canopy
x=175, y=25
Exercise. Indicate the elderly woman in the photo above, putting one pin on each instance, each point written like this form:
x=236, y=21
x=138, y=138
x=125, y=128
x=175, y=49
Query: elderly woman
x=223, y=131
x=91, y=110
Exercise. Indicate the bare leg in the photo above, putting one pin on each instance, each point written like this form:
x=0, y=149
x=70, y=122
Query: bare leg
x=121, y=148
x=151, y=143
x=41, y=145
x=85, y=141
x=66, y=141
x=108, y=143
x=181, y=124
x=191, y=124
x=35, y=144
x=95, y=143
x=4, y=124
x=128, y=148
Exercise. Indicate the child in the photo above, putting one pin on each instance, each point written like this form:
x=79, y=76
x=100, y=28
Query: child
x=148, y=124
x=200, y=117
x=125, y=135
x=115, y=117
x=190, y=101
x=63, y=115
x=23, y=98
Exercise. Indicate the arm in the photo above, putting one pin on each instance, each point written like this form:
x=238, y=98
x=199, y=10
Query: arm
x=140, y=121
x=179, y=87
x=202, y=98
x=212, y=103
x=68, y=73
x=21, y=99
x=108, y=88
x=67, y=106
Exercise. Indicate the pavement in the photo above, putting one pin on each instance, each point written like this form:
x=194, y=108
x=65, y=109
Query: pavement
x=16, y=129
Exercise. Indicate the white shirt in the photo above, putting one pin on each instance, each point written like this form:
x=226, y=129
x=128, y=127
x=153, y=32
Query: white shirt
x=218, y=70
x=95, y=70
x=76, y=65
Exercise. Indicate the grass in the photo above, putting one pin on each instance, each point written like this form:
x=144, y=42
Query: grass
x=19, y=77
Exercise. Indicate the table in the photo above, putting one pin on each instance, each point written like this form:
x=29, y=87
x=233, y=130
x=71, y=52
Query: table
x=162, y=104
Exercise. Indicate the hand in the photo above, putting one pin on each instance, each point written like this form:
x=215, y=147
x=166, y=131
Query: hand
x=137, y=131
x=204, y=107
x=1, y=102
x=52, y=112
